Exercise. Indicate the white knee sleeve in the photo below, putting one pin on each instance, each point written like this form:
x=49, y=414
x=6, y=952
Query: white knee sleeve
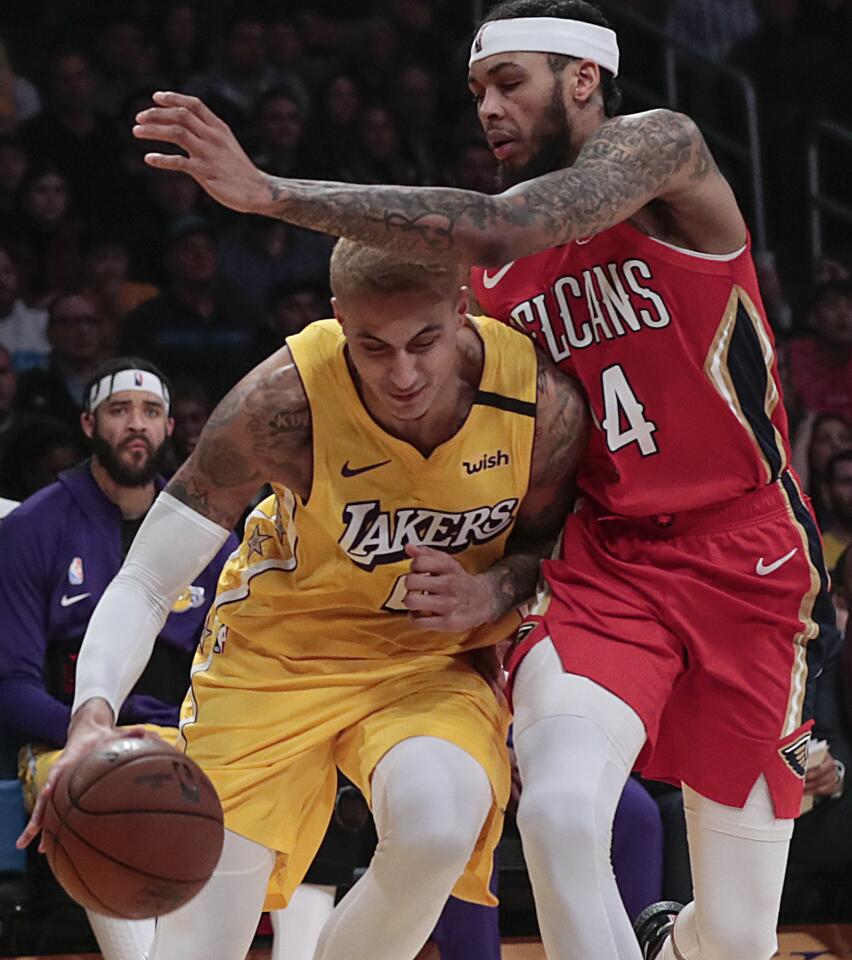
x=738, y=857
x=121, y=939
x=220, y=922
x=576, y=744
x=297, y=929
x=430, y=801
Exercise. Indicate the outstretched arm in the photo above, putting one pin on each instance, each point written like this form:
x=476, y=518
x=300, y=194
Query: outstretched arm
x=458, y=600
x=626, y=163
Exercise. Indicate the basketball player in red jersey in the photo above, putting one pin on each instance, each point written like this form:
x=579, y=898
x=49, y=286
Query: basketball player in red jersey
x=677, y=630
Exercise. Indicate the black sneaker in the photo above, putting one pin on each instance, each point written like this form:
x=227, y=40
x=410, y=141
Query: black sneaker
x=653, y=925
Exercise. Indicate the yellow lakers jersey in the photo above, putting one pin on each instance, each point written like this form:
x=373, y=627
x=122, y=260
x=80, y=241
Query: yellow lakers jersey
x=325, y=578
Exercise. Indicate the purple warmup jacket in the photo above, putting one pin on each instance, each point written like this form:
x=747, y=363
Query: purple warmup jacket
x=58, y=552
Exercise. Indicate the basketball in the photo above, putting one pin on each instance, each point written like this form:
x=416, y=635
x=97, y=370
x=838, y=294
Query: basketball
x=133, y=830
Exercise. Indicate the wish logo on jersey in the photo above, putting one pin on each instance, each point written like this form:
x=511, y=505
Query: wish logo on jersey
x=374, y=536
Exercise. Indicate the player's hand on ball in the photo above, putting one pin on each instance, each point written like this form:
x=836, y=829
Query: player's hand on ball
x=442, y=595
x=91, y=727
x=214, y=157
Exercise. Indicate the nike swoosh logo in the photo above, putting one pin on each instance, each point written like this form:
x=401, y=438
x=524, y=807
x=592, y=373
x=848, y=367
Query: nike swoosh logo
x=764, y=569
x=348, y=471
x=70, y=601
x=490, y=282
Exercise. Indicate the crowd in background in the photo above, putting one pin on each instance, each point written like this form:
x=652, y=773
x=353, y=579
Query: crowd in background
x=101, y=256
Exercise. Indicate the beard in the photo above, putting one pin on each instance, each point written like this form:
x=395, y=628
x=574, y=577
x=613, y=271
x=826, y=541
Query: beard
x=553, y=135
x=127, y=474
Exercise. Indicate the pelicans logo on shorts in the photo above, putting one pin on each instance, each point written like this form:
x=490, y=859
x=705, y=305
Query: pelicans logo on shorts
x=795, y=754
x=375, y=536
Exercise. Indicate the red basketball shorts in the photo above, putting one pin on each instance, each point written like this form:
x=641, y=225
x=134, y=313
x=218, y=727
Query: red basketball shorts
x=707, y=623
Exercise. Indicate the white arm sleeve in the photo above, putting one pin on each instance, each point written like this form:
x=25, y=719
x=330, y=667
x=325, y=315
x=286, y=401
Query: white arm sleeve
x=173, y=545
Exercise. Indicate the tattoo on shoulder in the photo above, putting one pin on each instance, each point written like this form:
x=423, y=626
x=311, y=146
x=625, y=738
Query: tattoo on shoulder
x=258, y=433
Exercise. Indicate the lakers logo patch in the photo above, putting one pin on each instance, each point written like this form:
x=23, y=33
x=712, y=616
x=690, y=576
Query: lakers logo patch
x=795, y=754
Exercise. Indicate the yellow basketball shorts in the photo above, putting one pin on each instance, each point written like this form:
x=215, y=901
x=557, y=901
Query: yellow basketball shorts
x=35, y=761
x=270, y=732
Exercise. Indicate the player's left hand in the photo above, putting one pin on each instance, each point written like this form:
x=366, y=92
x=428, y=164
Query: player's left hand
x=442, y=595
x=823, y=780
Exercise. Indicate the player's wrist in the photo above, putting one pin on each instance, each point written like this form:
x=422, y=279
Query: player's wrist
x=94, y=714
x=493, y=601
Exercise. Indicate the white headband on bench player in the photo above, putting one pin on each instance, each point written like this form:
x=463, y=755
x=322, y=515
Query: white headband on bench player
x=139, y=380
x=572, y=38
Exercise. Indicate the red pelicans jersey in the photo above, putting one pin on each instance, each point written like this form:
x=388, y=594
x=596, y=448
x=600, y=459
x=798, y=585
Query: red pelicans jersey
x=676, y=357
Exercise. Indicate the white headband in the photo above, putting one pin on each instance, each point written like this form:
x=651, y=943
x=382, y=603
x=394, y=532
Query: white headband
x=573, y=38
x=130, y=379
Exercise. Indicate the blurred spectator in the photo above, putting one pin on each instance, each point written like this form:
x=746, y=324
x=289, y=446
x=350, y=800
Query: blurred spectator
x=333, y=129
x=72, y=136
x=105, y=280
x=37, y=455
x=378, y=157
x=232, y=88
x=822, y=843
x=285, y=50
x=76, y=338
x=420, y=37
x=834, y=265
x=199, y=325
x=191, y=406
x=819, y=438
x=375, y=56
x=415, y=100
x=291, y=307
x=181, y=51
x=13, y=169
x=166, y=198
x=280, y=127
x=12, y=421
x=123, y=66
x=841, y=592
x=23, y=329
x=821, y=366
x=838, y=480
x=475, y=168
x=713, y=26
x=47, y=235
x=19, y=99
x=260, y=253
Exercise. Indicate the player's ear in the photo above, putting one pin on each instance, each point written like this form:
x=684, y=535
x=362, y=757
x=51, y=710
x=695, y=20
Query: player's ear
x=585, y=80
x=170, y=426
x=335, y=306
x=87, y=424
x=463, y=303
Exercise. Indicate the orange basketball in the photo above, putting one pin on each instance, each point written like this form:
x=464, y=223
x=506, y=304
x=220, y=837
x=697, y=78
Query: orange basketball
x=133, y=830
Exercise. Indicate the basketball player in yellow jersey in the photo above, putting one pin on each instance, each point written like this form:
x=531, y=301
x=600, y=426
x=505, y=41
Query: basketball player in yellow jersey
x=419, y=460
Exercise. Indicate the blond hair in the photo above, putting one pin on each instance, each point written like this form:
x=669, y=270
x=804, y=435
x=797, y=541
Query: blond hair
x=357, y=269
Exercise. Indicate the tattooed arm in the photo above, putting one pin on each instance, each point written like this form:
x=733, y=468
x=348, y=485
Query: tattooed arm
x=260, y=432
x=464, y=600
x=561, y=434
x=623, y=166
